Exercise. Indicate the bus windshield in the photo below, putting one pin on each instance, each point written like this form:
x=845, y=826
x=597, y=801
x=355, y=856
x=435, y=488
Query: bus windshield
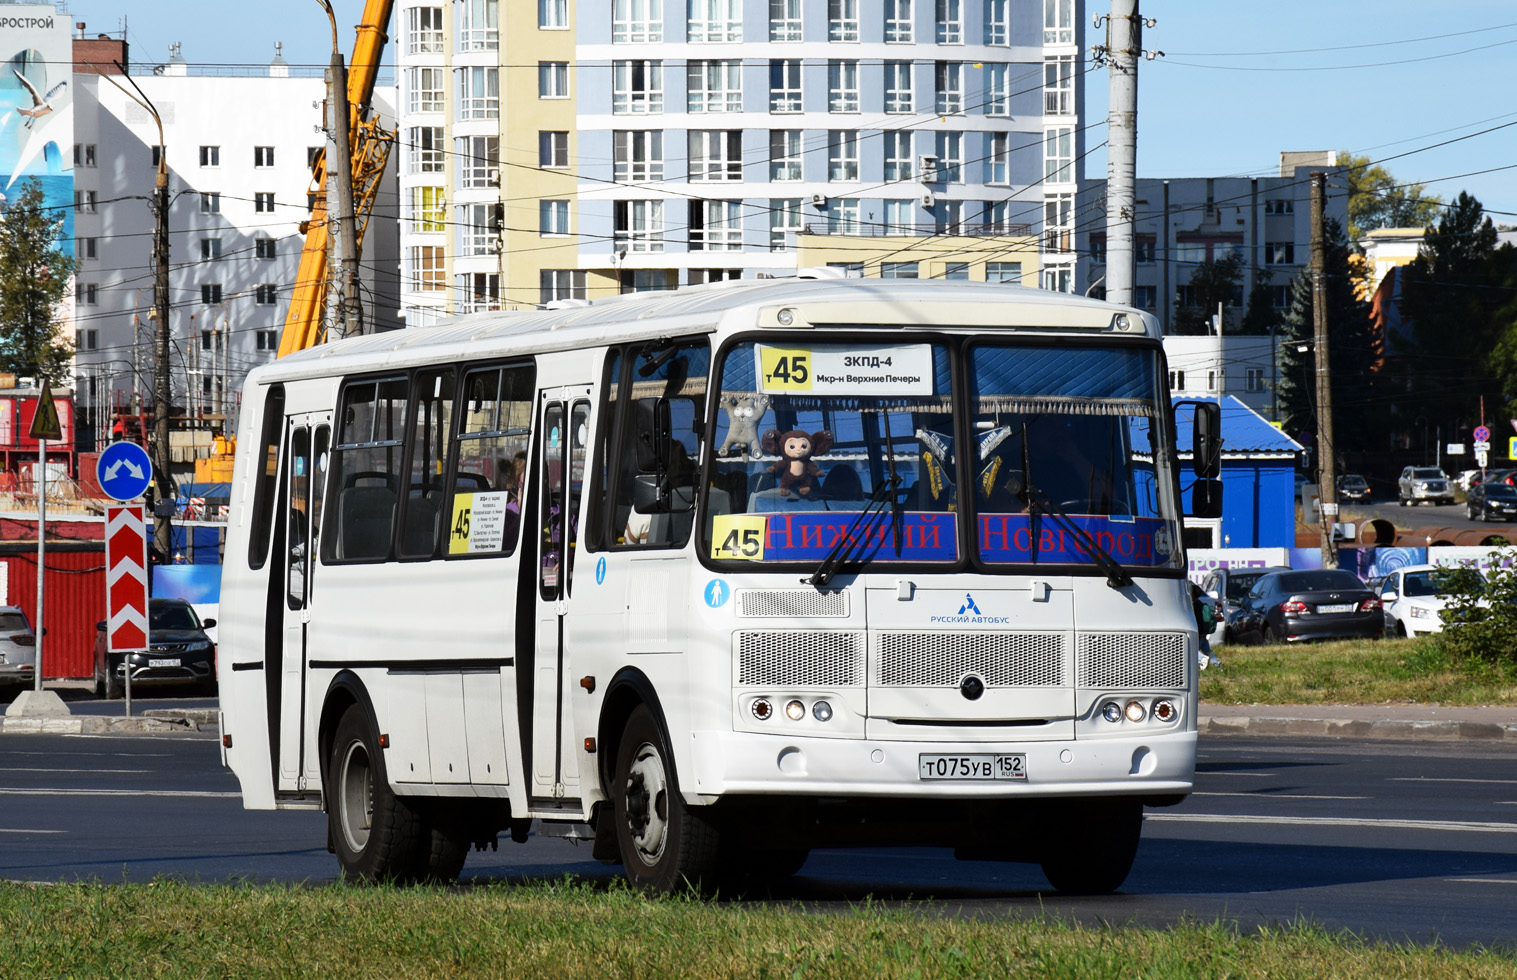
x=1061, y=466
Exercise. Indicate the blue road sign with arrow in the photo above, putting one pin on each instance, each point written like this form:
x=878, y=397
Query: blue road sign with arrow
x=124, y=471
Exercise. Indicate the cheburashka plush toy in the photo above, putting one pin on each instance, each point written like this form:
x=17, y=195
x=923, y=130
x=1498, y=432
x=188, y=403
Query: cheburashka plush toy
x=795, y=469
x=743, y=414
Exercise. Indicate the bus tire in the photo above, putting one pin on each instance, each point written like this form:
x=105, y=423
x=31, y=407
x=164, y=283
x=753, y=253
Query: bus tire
x=377, y=836
x=1094, y=850
x=440, y=855
x=666, y=845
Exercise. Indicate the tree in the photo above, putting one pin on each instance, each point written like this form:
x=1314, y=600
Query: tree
x=1215, y=282
x=1377, y=200
x=34, y=277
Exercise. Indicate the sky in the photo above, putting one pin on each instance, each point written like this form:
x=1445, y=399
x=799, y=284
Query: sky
x=1238, y=82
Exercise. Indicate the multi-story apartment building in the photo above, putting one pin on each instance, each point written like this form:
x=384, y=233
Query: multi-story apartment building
x=550, y=151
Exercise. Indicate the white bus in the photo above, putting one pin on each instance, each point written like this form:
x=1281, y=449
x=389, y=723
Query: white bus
x=716, y=576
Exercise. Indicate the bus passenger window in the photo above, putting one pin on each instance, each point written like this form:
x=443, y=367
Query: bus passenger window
x=266, y=477
x=482, y=511
x=431, y=441
x=368, y=470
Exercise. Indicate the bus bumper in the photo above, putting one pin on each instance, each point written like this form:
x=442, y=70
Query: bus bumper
x=742, y=763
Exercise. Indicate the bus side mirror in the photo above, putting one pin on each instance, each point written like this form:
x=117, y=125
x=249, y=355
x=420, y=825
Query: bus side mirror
x=1206, y=498
x=1206, y=442
x=655, y=488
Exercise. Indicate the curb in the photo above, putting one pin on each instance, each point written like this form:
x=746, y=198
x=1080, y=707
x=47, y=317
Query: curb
x=167, y=721
x=1358, y=728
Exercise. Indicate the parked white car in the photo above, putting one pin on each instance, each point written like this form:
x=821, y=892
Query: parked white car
x=1409, y=597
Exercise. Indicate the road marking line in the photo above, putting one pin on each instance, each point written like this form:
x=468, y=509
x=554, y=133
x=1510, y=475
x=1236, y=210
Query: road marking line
x=1450, y=779
x=1486, y=881
x=8, y=830
x=1237, y=818
x=1286, y=796
x=1229, y=772
x=108, y=772
x=19, y=791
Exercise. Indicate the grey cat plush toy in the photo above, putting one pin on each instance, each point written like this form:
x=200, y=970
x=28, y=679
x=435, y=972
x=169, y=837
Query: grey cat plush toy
x=743, y=414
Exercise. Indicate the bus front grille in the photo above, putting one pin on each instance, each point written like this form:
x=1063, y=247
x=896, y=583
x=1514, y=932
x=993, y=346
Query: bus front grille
x=1136, y=661
x=944, y=659
x=800, y=658
x=791, y=603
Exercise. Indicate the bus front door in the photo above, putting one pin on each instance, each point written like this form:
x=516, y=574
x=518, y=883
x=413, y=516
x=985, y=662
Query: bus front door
x=564, y=434
x=309, y=437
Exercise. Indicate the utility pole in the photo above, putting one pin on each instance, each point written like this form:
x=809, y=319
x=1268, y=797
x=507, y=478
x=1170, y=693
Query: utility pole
x=342, y=235
x=1327, y=481
x=163, y=528
x=1124, y=33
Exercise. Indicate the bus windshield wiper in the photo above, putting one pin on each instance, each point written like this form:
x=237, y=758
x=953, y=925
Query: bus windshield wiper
x=845, y=543
x=1037, y=502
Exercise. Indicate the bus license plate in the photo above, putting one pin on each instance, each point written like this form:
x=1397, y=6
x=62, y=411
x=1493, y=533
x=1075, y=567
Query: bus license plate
x=174, y=662
x=979, y=766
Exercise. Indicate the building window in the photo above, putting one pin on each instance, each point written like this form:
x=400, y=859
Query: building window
x=424, y=30
x=86, y=293
x=1253, y=379
x=1059, y=85
x=479, y=291
x=714, y=86
x=479, y=227
x=948, y=81
x=552, y=79
x=950, y=21
x=997, y=159
x=478, y=93
x=86, y=339
x=1177, y=381
x=948, y=217
x=956, y=271
x=84, y=202
x=842, y=154
x=638, y=154
x=842, y=86
x=1146, y=297
x=553, y=217
x=651, y=280
x=426, y=146
x=1279, y=253
x=84, y=155
x=784, y=85
x=997, y=21
x=558, y=284
x=1007, y=272
x=715, y=20
x=637, y=87
x=784, y=20
x=1098, y=248
x=267, y=340
x=898, y=162
x=1058, y=21
x=1059, y=223
x=263, y=202
x=843, y=216
x=898, y=22
x=638, y=225
x=477, y=25
x=784, y=154
x=997, y=90
x=950, y=147
x=210, y=202
x=210, y=156
x=210, y=249
x=1279, y=205
x=1143, y=249
x=1058, y=155
x=478, y=160
x=84, y=248
x=900, y=217
x=267, y=294
x=553, y=15
x=898, y=86
x=552, y=149
x=898, y=270
x=263, y=248
x=716, y=154
x=263, y=157
x=1059, y=279
x=428, y=207
x=425, y=264
x=425, y=89
x=210, y=293
x=637, y=21
x=842, y=20
x=716, y=226
x=1280, y=297
x=784, y=221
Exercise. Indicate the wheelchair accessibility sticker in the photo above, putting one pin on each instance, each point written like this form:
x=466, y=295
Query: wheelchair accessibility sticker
x=716, y=593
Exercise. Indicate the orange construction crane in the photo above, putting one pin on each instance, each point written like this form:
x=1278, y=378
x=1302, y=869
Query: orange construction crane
x=371, y=145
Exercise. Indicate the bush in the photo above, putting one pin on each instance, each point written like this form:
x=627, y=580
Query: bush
x=1480, y=618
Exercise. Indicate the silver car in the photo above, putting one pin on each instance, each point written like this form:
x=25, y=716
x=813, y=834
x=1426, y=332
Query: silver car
x=18, y=650
x=1419, y=483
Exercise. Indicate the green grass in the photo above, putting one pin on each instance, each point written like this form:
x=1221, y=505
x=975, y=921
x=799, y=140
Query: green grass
x=169, y=929
x=1354, y=672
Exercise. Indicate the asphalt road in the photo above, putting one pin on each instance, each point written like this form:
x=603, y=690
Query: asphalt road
x=1411, y=518
x=1402, y=841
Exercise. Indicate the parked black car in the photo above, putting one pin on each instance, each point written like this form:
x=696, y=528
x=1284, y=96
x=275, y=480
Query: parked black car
x=1491, y=500
x=1229, y=587
x=179, y=652
x=1312, y=604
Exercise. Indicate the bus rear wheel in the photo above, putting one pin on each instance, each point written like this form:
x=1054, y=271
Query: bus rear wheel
x=1094, y=850
x=376, y=835
x=665, y=844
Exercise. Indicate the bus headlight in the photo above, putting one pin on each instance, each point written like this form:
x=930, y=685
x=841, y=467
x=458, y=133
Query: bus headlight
x=821, y=711
x=1112, y=712
x=794, y=710
x=762, y=709
x=1135, y=711
x=1164, y=710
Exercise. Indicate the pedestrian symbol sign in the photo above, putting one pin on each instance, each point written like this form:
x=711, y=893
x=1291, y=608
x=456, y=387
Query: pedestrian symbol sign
x=45, y=424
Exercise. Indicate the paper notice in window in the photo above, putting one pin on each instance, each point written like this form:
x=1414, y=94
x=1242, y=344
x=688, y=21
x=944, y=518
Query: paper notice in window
x=478, y=524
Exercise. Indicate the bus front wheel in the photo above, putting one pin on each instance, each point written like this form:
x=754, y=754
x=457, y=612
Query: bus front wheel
x=665, y=844
x=376, y=835
x=1094, y=850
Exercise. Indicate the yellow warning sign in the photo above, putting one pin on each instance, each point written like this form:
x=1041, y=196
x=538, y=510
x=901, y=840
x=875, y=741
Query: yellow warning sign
x=45, y=423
